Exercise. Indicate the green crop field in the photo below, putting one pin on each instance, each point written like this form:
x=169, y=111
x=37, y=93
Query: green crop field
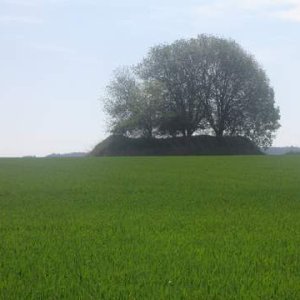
x=150, y=228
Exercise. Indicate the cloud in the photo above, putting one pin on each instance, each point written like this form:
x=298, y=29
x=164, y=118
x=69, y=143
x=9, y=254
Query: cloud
x=67, y=52
x=42, y=3
x=20, y=19
x=52, y=48
x=30, y=2
x=288, y=10
x=290, y=14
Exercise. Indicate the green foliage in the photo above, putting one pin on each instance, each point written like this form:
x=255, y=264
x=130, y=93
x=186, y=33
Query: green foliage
x=132, y=105
x=203, y=84
x=150, y=228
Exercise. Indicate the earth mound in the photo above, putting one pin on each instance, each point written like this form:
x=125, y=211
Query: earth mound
x=116, y=145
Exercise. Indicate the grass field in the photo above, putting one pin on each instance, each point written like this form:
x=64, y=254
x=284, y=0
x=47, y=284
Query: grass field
x=150, y=228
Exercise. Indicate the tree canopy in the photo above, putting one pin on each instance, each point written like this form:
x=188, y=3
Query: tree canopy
x=201, y=85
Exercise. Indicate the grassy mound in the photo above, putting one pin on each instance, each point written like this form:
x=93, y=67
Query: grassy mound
x=196, y=145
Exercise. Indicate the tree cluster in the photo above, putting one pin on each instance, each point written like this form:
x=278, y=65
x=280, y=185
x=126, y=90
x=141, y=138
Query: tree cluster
x=203, y=85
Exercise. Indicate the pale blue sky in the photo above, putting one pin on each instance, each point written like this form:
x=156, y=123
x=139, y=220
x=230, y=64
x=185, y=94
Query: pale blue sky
x=56, y=57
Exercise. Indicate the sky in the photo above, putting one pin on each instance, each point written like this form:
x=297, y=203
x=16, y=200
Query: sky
x=57, y=56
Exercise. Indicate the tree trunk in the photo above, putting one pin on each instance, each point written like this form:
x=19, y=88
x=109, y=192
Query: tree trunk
x=219, y=132
x=189, y=132
x=148, y=133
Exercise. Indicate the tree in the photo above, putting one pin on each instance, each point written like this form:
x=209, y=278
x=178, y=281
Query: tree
x=177, y=67
x=214, y=81
x=239, y=99
x=206, y=83
x=132, y=105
